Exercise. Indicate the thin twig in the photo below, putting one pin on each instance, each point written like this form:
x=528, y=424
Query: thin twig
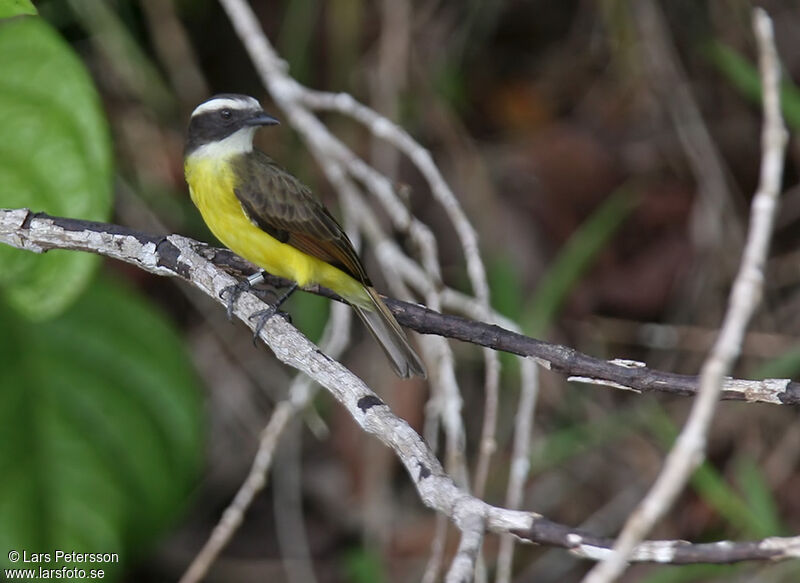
x=520, y=464
x=714, y=224
x=287, y=495
x=689, y=449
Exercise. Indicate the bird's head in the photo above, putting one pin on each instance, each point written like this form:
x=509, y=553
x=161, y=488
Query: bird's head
x=224, y=125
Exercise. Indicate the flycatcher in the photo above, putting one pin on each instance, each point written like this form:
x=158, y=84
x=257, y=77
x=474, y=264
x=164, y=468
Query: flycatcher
x=263, y=213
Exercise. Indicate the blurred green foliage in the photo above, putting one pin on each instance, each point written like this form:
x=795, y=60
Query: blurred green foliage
x=572, y=262
x=758, y=496
x=363, y=565
x=100, y=426
x=691, y=573
x=55, y=156
x=9, y=8
x=296, y=36
x=750, y=512
x=507, y=292
x=116, y=42
x=507, y=289
x=753, y=512
x=100, y=416
x=561, y=445
x=783, y=366
x=309, y=313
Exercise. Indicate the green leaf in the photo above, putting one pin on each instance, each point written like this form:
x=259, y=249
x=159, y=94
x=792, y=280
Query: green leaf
x=100, y=427
x=55, y=156
x=9, y=8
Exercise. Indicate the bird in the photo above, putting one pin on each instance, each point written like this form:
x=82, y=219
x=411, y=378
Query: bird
x=263, y=213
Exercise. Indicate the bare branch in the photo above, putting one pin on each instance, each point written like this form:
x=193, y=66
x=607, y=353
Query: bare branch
x=39, y=232
x=714, y=224
x=689, y=449
x=675, y=552
x=520, y=464
x=463, y=566
x=178, y=256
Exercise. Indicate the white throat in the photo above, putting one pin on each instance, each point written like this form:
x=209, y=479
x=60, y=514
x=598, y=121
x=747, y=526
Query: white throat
x=239, y=142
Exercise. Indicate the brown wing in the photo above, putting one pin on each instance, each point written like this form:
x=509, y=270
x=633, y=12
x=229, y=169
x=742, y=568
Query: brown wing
x=285, y=208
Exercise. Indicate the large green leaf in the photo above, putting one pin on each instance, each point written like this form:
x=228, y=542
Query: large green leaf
x=10, y=8
x=55, y=156
x=100, y=427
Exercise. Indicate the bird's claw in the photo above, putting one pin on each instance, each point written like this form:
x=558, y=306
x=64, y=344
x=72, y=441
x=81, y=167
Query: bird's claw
x=231, y=293
x=263, y=316
x=234, y=291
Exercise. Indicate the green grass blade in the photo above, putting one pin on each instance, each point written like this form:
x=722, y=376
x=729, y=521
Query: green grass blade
x=745, y=78
x=575, y=259
x=712, y=488
x=759, y=498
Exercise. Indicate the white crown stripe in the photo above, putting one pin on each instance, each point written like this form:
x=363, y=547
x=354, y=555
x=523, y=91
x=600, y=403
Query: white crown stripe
x=226, y=102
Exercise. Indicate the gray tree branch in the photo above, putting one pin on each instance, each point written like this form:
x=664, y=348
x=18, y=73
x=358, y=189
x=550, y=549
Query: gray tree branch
x=39, y=232
x=178, y=256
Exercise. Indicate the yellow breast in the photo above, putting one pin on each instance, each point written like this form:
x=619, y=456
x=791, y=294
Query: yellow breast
x=211, y=185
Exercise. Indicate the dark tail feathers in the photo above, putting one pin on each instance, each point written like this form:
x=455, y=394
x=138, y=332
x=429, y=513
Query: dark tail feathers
x=383, y=326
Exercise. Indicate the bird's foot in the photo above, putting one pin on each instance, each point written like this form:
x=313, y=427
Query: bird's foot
x=231, y=293
x=263, y=316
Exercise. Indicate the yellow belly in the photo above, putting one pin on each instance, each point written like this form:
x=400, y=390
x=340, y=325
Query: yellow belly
x=211, y=185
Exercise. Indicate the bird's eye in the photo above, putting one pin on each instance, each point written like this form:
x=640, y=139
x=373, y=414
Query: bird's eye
x=225, y=113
